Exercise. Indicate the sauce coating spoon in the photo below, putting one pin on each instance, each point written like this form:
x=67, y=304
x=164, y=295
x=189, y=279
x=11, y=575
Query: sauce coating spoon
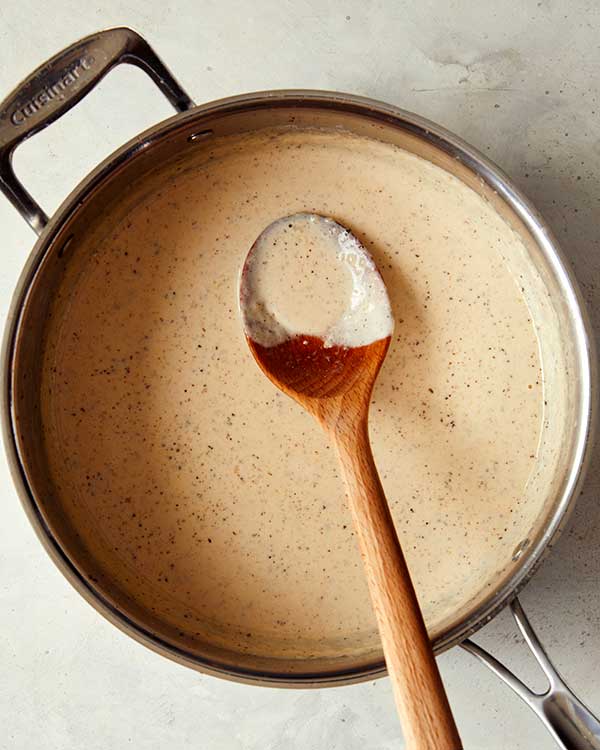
x=330, y=371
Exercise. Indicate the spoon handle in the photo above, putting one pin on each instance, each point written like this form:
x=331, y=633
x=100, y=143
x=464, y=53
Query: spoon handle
x=427, y=720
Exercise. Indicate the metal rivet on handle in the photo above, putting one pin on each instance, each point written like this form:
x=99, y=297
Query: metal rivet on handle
x=65, y=245
x=199, y=135
x=519, y=549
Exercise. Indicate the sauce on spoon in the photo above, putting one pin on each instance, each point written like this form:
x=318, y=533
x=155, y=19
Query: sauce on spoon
x=331, y=287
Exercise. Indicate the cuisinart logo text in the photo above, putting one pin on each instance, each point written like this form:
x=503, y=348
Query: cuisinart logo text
x=49, y=93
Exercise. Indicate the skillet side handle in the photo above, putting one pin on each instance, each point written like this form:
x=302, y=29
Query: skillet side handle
x=571, y=724
x=57, y=85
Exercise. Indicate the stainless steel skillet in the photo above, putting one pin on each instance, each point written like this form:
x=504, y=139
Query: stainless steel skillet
x=57, y=86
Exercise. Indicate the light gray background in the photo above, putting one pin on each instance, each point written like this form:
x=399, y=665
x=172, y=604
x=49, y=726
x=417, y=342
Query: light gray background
x=519, y=80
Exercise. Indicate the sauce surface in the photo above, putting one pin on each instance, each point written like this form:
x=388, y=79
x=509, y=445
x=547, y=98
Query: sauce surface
x=212, y=497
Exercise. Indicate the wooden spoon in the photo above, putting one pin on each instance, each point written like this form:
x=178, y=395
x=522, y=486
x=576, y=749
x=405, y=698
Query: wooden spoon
x=334, y=383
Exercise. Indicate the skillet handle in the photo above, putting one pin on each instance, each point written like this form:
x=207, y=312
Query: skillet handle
x=57, y=85
x=571, y=724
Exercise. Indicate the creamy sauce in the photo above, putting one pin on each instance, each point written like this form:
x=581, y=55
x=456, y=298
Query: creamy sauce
x=307, y=275
x=212, y=498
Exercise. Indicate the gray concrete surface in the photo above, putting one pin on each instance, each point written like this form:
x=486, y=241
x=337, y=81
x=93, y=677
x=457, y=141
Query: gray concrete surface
x=519, y=80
